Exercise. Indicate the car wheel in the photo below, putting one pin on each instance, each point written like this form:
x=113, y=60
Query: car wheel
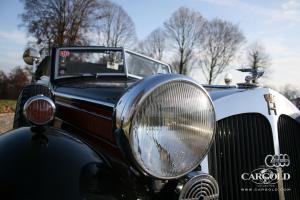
x=26, y=93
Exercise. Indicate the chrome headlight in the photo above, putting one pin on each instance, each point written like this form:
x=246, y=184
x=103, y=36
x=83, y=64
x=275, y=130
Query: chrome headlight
x=169, y=121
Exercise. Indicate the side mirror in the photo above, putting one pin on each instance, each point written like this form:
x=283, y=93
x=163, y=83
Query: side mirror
x=31, y=56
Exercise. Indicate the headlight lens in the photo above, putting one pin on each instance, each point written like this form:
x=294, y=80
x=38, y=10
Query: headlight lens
x=172, y=129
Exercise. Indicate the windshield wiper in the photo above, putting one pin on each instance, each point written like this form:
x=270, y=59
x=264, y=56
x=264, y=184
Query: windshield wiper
x=77, y=75
x=97, y=74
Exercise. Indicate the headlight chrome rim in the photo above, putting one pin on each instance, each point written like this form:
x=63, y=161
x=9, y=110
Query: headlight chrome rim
x=39, y=98
x=132, y=101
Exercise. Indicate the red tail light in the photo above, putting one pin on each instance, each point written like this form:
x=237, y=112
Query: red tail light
x=39, y=110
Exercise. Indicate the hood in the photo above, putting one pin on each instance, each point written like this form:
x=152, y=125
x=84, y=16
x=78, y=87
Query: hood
x=110, y=90
x=227, y=101
x=217, y=93
x=104, y=89
x=234, y=101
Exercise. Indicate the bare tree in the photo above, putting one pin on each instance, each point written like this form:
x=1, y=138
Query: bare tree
x=116, y=28
x=11, y=84
x=290, y=92
x=221, y=41
x=59, y=22
x=257, y=56
x=184, y=30
x=154, y=45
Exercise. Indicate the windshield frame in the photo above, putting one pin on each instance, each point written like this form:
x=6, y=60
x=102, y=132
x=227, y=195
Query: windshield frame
x=145, y=57
x=124, y=74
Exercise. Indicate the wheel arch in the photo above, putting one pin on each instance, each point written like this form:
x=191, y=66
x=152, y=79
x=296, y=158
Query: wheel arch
x=50, y=164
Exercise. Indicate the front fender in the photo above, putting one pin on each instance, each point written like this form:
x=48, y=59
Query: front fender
x=50, y=165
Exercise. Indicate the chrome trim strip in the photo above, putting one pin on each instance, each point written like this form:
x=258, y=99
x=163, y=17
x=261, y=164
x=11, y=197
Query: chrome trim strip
x=82, y=110
x=219, y=86
x=125, y=64
x=134, y=76
x=69, y=96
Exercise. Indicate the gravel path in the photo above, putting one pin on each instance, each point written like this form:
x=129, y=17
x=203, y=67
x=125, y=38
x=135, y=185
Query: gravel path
x=6, y=122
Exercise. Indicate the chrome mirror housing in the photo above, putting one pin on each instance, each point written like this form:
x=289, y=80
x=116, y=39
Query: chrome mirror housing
x=31, y=56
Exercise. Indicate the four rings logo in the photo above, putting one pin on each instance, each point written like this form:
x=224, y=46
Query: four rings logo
x=281, y=160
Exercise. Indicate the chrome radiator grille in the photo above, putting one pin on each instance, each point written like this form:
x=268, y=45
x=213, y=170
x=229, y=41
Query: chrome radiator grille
x=289, y=140
x=241, y=144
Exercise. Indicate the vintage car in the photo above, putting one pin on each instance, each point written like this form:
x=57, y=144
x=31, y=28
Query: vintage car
x=109, y=123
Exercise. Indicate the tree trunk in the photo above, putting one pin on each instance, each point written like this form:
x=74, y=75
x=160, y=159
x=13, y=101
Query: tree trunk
x=181, y=62
x=210, y=78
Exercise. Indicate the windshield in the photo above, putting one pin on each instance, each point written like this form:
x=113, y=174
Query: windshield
x=77, y=62
x=141, y=66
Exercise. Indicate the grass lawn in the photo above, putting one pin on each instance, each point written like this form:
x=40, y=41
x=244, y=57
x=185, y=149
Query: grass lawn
x=7, y=106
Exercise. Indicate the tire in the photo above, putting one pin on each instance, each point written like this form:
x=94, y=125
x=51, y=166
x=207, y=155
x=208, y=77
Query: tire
x=26, y=93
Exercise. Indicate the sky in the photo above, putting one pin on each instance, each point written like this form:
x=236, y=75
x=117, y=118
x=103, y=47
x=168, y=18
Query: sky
x=273, y=23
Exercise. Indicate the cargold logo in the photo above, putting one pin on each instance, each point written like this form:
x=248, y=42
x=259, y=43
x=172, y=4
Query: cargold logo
x=264, y=176
x=269, y=175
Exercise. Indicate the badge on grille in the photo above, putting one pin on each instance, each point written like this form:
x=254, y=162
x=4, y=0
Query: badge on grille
x=270, y=99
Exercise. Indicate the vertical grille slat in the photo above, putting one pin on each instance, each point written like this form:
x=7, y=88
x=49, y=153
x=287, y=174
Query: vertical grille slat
x=235, y=153
x=289, y=141
x=242, y=142
x=241, y=145
x=228, y=155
